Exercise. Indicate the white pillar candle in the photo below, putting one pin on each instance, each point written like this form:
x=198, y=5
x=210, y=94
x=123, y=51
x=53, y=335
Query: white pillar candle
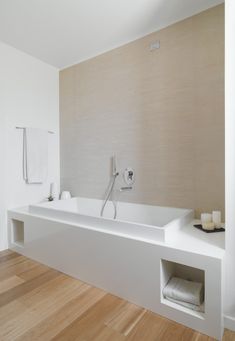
x=206, y=218
x=216, y=218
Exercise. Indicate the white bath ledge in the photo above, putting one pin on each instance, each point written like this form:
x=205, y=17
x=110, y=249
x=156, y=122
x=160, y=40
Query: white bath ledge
x=191, y=239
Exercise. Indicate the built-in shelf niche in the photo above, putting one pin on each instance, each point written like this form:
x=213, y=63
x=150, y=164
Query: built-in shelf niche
x=170, y=269
x=17, y=232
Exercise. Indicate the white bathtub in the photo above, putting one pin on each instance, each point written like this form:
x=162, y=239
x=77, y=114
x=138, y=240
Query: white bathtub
x=134, y=220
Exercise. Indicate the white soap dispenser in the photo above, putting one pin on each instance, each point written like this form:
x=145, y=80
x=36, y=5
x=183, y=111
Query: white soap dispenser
x=54, y=193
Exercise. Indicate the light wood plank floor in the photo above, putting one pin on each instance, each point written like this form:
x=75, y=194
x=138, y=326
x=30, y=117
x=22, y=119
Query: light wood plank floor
x=39, y=303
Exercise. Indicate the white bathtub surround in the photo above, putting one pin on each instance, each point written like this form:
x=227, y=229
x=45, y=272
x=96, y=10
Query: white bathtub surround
x=115, y=255
x=134, y=220
x=35, y=155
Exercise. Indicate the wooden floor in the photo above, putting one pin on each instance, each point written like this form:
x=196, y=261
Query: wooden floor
x=39, y=303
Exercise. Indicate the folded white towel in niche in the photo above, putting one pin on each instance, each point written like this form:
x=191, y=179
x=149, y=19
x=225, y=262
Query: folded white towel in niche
x=200, y=308
x=185, y=291
x=35, y=155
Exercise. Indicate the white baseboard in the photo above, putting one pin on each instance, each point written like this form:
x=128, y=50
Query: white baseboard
x=3, y=247
x=229, y=322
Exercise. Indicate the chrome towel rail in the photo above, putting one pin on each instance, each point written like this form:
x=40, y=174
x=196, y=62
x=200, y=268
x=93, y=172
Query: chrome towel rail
x=50, y=132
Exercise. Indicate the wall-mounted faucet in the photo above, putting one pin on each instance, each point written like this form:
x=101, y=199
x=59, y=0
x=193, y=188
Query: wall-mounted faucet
x=129, y=176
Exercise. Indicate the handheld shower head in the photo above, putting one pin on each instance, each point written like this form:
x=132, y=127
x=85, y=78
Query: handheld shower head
x=115, y=173
x=111, y=189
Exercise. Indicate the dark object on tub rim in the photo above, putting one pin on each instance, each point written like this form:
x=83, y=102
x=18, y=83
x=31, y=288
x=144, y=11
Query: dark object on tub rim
x=199, y=227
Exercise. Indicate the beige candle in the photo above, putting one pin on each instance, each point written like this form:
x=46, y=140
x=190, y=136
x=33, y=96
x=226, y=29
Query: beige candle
x=216, y=218
x=206, y=218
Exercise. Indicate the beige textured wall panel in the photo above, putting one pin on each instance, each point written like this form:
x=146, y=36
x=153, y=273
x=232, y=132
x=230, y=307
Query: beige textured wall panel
x=160, y=112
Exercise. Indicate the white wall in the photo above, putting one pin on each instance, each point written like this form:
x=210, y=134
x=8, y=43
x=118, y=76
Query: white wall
x=2, y=168
x=230, y=162
x=29, y=97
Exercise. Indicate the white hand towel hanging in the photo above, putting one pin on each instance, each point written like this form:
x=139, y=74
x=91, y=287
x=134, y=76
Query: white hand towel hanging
x=35, y=158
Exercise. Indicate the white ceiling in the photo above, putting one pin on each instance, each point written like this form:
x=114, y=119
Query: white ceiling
x=65, y=32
